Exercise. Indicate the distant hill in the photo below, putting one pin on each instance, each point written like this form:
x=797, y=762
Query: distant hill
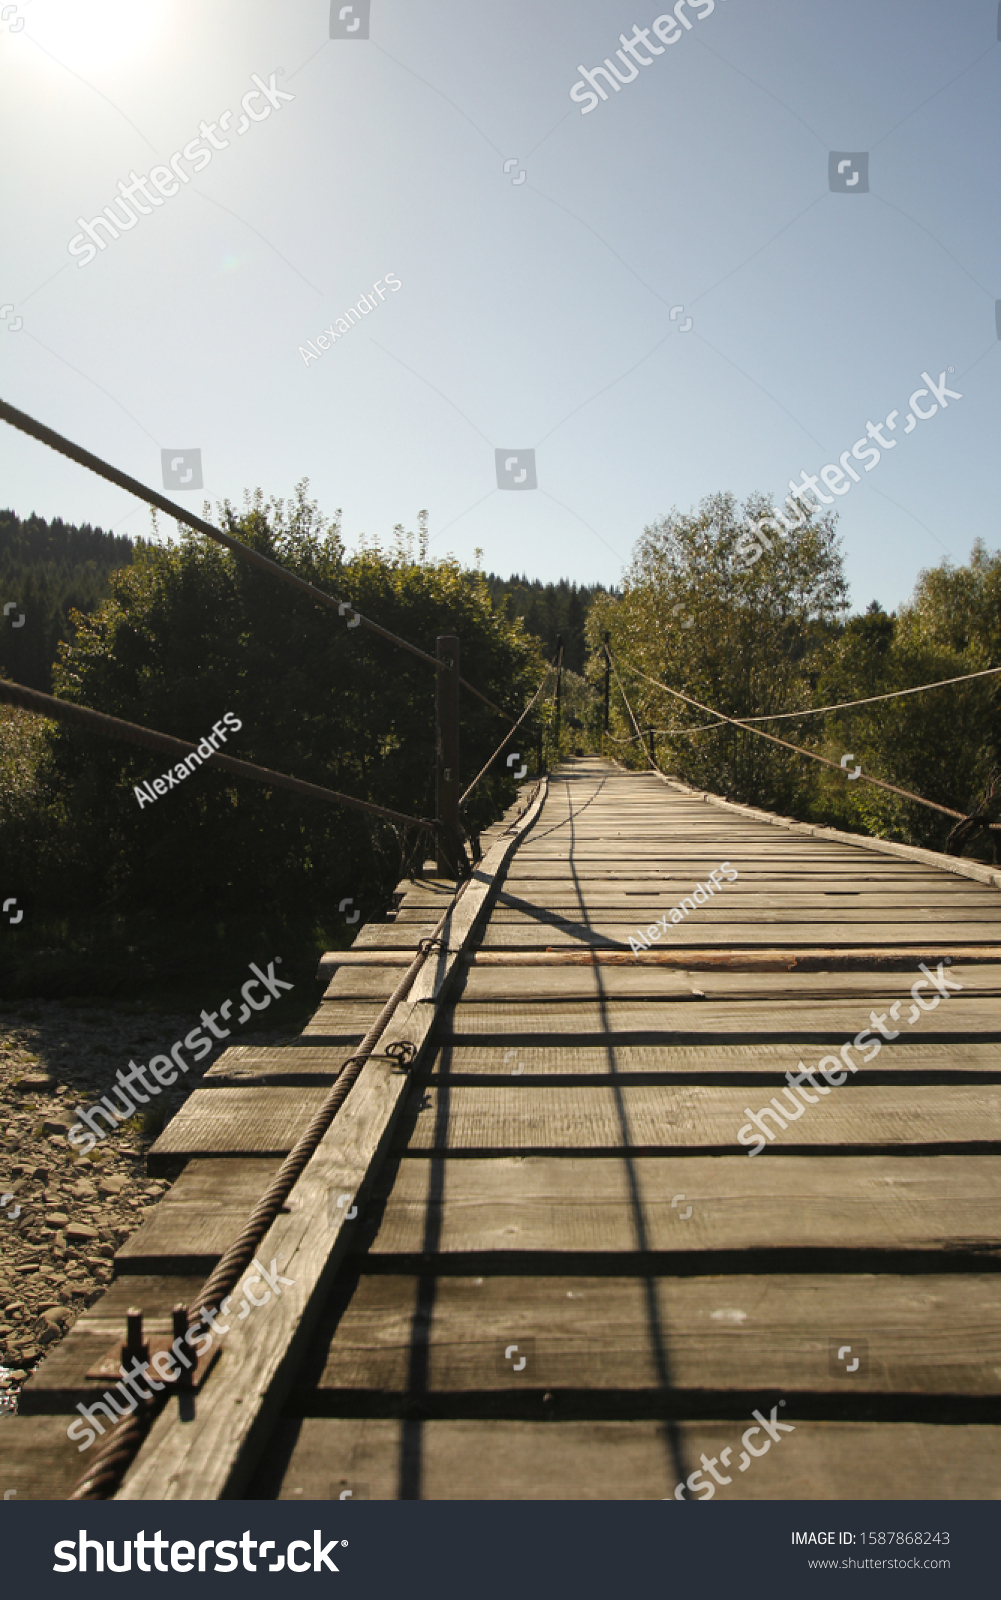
x=47, y=569
x=548, y=609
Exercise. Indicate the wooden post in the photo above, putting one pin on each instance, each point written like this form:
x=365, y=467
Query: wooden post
x=608, y=686
x=540, y=769
x=650, y=738
x=447, y=745
x=559, y=684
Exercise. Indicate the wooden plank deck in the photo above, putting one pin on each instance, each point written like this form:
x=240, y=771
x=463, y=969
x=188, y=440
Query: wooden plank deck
x=567, y=1278
x=568, y=1181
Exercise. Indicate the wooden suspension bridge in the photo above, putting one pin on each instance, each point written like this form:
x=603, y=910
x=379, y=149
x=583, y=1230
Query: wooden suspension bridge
x=532, y=1256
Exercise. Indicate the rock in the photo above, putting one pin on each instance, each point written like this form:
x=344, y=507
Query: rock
x=53, y=1127
x=57, y=1219
x=82, y=1191
x=80, y=1233
x=108, y=1186
x=105, y=1252
x=39, y=1081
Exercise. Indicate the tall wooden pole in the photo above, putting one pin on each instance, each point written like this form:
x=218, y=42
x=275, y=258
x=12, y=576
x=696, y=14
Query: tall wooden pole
x=608, y=687
x=447, y=788
x=559, y=685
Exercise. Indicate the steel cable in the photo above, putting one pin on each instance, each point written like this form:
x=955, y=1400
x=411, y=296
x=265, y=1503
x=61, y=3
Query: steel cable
x=104, y=469
x=735, y=722
x=46, y=705
x=508, y=737
x=108, y=1468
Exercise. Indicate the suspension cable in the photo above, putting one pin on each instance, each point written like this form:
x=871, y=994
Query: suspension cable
x=735, y=722
x=84, y=458
x=629, y=708
x=815, y=711
x=508, y=736
x=46, y=705
x=556, y=697
x=844, y=705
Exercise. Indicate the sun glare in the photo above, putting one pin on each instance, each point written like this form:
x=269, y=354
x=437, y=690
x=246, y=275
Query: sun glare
x=89, y=35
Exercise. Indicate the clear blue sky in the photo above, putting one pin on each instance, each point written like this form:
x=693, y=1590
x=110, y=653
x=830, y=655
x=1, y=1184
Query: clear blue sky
x=530, y=314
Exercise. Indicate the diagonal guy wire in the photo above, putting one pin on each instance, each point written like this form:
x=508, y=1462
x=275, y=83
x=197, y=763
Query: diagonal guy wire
x=798, y=749
x=437, y=91
x=430, y=385
x=87, y=379
x=235, y=214
x=932, y=96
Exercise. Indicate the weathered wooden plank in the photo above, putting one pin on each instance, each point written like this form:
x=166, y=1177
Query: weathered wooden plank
x=540, y=933
x=480, y=983
x=389, y=961
x=393, y=936
x=521, y=1116
x=198, y=1218
x=594, y=1207
x=385, y=1459
x=683, y=1021
x=244, y=1065
x=891, y=923
x=707, y=1059
x=604, y=885
x=631, y=1334
x=237, y=1122
x=566, y=898
x=37, y=1461
x=357, y=981
x=346, y=1020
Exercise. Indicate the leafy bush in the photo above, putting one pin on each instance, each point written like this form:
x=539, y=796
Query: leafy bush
x=190, y=632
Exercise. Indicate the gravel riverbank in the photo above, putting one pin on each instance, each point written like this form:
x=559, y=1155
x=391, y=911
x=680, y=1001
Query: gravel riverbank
x=63, y=1215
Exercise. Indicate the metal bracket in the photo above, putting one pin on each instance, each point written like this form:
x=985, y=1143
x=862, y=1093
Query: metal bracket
x=187, y=1379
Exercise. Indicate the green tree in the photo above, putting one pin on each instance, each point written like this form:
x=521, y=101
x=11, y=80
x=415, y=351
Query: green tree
x=745, y=640
x=190, y=632
x=943, y=744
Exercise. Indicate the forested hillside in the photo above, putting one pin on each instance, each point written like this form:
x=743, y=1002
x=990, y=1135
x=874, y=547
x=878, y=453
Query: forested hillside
x=548, y=609
x=46, y=570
